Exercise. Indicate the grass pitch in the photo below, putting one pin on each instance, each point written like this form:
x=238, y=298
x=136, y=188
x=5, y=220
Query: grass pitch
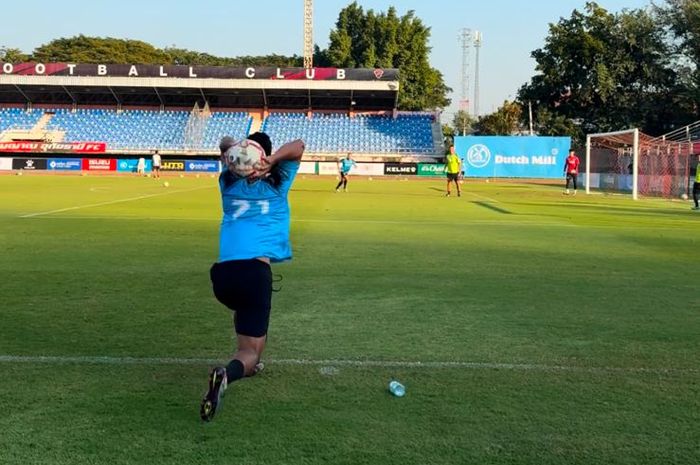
x=528, y=327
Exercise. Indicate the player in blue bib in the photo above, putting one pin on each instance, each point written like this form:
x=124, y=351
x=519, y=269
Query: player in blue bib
x=254, y=233
x=345, y=166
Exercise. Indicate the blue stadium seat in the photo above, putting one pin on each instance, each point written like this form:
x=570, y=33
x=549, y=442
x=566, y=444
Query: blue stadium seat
x=220, y=124
x=129, y=129
x=337, y=132
x=18, y=118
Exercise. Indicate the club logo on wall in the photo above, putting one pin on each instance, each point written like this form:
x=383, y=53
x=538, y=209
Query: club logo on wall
x=29, y=164
x=479, y=155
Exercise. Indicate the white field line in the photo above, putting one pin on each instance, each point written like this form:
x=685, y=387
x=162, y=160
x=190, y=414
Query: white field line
x=154, y=361
x=479, y=196
x=112, y=202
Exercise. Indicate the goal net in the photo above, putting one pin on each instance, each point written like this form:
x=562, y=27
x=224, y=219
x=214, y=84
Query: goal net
x=634, y=163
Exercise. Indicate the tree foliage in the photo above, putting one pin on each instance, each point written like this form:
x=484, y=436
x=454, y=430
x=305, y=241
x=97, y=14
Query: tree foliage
x=503, y=122
x=463, y=123
x=604, y=72
x=386, y=40
x=682, y=18
x=12, y=55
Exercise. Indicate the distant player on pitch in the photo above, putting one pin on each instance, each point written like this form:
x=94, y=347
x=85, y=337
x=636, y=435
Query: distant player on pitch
x=453, y=168
x=156, y=164
x=696, y=186
x=254, y=234
x=344, y=167
x=571, y=171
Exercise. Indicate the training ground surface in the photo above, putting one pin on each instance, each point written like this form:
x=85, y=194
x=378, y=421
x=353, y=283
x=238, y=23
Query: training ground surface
x=528, y=327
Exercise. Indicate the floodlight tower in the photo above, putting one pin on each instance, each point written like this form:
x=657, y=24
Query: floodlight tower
x=477, y=50
x=308, y=34
x=465, y=39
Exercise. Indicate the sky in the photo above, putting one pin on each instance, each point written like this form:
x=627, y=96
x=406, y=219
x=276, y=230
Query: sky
x=511, y=29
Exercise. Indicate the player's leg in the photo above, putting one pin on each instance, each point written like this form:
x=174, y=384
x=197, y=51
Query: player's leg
x=340, y=183
x=244, y=286
x=696, y=194
x=568, y=182
x=574, y=178
x=345, y=182
x=449, y=180
x=458, y=181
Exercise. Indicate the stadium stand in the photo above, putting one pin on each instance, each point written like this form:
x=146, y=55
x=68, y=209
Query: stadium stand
x=220, y=124
x=18, y=118
x=139, y=108
x=360, y=134
x=179, y=130
x=131, y=129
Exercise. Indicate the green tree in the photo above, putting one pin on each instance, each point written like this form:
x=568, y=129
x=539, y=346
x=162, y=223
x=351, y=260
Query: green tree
x=682, y=17
x=606, y=71
x=12, y=55
x=503, y=122
x=83, y=49
x=463, y=123
x=367, y=40
x=448, y=136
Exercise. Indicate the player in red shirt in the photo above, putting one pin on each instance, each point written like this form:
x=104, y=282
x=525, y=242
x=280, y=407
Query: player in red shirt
x=571, y=170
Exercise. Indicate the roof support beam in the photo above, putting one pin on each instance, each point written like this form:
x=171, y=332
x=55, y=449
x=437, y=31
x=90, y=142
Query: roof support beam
x=70, y=95
x=162, y=103
x=29, y=101
x=116, y=98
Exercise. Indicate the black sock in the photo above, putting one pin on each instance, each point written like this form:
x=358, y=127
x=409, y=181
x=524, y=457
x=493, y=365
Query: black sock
x=345, y=184
x=234, y=371
x=338, y=186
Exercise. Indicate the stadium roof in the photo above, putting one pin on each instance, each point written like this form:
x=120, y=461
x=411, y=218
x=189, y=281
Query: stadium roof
x=183, y=86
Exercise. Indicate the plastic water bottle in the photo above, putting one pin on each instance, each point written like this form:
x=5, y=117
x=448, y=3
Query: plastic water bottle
x=397, y=389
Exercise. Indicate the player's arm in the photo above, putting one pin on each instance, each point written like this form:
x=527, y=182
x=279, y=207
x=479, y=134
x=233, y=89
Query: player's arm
x=291, y=151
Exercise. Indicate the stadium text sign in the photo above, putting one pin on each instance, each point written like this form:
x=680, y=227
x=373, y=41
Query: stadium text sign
x=202, y=72
x=99, y=164
x=513, y=157
x=53, y=147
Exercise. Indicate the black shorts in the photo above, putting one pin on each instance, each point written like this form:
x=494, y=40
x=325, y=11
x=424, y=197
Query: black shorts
x=453, y=176
x=572, y=176
x=245, y=286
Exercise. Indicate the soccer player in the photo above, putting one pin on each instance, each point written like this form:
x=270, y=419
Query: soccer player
x=344, y=166
x=254, y=234
x=571, y=171
x=141, y=166
x=156, y=164
x=696, y=186
x=453, y=168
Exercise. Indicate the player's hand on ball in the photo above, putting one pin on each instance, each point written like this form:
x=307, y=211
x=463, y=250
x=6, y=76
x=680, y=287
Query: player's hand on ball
x=262, y=168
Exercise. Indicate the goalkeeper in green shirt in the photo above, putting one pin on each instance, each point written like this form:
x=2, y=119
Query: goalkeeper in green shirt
x=453, y=168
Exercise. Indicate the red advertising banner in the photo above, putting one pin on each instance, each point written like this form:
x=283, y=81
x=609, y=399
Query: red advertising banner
x=53, y=147
x=99, y=164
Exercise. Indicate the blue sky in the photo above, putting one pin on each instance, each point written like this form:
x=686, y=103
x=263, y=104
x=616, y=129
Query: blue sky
x=511, y=29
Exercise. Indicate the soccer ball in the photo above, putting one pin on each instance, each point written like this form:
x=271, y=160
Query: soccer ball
x=243, y=157
x=684, y=196
x=166, y=184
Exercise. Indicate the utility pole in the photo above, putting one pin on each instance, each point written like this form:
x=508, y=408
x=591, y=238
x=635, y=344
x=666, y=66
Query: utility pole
x=477, y=51
x=465, y=38
x=308, y=34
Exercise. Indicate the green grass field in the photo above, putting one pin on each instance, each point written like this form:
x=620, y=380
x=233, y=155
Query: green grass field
x=528, y=327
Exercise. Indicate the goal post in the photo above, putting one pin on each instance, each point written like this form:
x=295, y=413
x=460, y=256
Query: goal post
x=618, y=144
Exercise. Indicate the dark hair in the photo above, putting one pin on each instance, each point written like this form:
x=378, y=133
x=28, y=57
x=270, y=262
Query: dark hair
x=264, y=141
x=274, y=178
